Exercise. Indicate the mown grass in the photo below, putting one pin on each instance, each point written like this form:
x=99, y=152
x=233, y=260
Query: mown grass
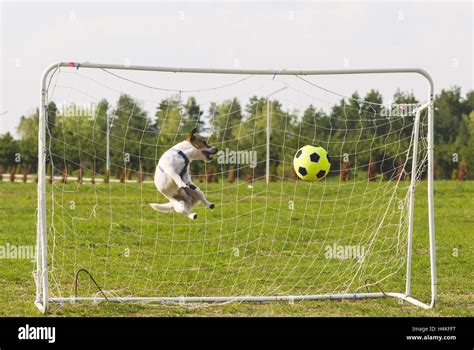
x=257, y=241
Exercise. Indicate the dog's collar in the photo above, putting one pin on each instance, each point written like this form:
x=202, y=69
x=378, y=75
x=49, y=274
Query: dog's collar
x=186, y=162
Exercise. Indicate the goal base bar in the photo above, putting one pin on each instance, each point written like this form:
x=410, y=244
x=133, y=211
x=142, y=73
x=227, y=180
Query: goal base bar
x=183, y=300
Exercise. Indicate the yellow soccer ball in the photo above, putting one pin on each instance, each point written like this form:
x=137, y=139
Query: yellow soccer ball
x=312, y=163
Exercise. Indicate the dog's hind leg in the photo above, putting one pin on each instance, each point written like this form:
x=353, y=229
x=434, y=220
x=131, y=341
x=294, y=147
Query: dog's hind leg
x=199, y=195
x=163, y=207
x=181, y=207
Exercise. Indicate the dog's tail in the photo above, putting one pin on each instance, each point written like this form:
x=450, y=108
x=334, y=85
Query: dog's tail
x=165, y=207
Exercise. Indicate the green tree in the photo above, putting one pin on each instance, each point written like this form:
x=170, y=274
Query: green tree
x=225, y=119
x=28, y=131
x=449, y=110
x=192, y=116
x=8, y=148
x=129, y=127
x=169, y=123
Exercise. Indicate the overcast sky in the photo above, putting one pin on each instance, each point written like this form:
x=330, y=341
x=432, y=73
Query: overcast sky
x=436, y=36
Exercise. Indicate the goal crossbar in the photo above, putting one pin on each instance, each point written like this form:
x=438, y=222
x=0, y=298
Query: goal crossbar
x=42, y=289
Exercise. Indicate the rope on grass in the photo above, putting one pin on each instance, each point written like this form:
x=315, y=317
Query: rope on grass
x=76, y=279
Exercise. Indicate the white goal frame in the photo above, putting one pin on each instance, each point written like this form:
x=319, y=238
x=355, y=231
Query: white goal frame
x=41, y=275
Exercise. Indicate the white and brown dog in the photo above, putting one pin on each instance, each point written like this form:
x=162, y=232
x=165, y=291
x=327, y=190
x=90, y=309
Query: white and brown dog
x=173, y=180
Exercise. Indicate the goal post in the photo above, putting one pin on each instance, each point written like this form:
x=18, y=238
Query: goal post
x=390, y=231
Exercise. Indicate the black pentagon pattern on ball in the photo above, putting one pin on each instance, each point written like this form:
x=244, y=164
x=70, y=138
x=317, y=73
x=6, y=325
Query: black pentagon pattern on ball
x=302, y=171
x=329, y=158
x=320, y=174
x=298, y=154
x=314, y=157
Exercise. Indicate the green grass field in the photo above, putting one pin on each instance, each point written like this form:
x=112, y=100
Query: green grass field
x=253, y=242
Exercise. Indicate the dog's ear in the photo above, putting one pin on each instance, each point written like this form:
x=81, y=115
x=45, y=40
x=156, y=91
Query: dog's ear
x=191, y=136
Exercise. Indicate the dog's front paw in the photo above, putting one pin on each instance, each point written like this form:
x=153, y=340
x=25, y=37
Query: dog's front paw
x=211, y=206
x=193, y=216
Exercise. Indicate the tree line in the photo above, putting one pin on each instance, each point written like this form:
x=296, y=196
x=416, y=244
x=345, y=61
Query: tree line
x=361, y=138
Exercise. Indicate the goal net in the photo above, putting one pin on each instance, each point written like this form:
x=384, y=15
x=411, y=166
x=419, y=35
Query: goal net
x=271, y=236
